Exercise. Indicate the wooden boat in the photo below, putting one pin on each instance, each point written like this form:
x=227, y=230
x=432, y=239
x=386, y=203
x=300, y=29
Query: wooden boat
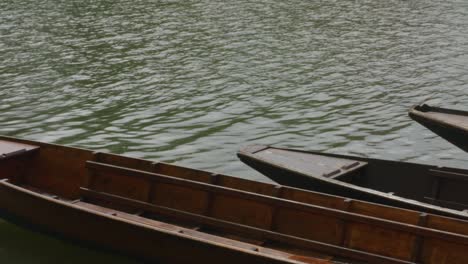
x=431, y=189
x=172, y=214
x=451, y=125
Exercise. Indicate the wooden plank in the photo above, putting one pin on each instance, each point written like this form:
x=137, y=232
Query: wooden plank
x=442, y=252
x=379, y=240
x=186, y=231
x=243, y=229
x=331, y=201
x=242, y=211
x=317, y=165
x=314, y=226
x=180, y=197
x=246, y=185
x=124, y=185
x=285, y=203
x=447, y=224
x=385, y=212
x=303, y=196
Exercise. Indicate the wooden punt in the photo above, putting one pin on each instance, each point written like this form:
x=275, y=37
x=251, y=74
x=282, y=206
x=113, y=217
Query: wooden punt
x=171, y=214
x=430, y=189
x=452, y=125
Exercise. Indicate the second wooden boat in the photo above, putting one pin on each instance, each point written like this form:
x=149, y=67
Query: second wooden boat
x=171, y=214
x=431, y=189
x=452, y=125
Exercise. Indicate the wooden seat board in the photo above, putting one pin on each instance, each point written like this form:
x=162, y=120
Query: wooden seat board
x=310, y=164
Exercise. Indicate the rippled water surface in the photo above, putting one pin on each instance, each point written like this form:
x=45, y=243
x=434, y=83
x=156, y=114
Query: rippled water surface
x=191, y=81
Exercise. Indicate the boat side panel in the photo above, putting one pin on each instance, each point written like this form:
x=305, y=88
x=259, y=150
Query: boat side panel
x=242, y=211
x=59, y=170
x=379, y=240
x=180, y=197
x=127, y=186
x=404, y=216
x=447, y=224
x=308, y=225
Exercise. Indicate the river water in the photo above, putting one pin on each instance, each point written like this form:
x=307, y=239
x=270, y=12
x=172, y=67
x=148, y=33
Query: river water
x=191, y=81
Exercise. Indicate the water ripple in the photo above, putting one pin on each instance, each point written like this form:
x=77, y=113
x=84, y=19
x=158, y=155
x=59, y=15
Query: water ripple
x=191, y=81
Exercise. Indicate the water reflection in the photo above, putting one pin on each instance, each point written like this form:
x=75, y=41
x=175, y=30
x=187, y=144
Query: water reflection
x=191, y=81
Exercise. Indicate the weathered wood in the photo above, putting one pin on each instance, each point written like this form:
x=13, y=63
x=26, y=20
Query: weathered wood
x=271, y=201
x=392, y=183
x=241, y=229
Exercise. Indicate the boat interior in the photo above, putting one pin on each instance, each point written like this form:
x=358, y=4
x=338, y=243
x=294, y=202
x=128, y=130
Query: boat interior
x=439, y=186
x=279, y=221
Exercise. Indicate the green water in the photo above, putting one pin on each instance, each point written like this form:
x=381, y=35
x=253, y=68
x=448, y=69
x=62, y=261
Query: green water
x=191, y=81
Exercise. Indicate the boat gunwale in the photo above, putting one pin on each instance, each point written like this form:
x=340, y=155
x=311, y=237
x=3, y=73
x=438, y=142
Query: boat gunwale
x=5, y=184
x=275, y=201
